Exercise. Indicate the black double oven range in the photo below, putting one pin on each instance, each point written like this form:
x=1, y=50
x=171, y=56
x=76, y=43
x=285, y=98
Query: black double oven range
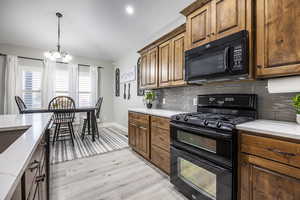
x=204, y=146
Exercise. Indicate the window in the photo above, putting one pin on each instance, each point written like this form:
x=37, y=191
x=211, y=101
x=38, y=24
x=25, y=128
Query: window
x=61, y=80
x=31, y=86
x=84, y=87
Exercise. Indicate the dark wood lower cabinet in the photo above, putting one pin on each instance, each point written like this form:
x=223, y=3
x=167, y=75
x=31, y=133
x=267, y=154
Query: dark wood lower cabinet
x=34, y=184
x=266, y=176
x=160, y=158
x=150, y=137
x=139, y=133
x=262, y=179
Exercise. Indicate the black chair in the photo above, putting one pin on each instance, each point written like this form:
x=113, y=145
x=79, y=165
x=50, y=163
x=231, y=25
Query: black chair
x=63, y=109
x=97, y=116
x=21, y=105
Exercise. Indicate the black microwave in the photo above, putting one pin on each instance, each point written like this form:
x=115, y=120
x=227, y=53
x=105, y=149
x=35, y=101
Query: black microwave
x=220, y=60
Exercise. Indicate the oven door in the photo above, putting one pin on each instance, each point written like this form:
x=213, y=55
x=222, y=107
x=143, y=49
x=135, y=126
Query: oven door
x=199, y=179
x=211, y=144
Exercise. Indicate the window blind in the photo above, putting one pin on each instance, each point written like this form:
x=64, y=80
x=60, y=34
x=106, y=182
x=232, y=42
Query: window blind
x=84, y=86
x=31, y=86
x=61, y=80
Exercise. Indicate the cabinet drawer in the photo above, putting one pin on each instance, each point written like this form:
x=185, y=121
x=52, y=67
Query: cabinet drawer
x=273, y=149
x=132, y=116
x=138, y=118
x=160, y=158
x=160, y=138
x=160, y=122
x=143, y=118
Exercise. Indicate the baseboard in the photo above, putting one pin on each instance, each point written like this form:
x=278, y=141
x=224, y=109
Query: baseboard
x=123, y=128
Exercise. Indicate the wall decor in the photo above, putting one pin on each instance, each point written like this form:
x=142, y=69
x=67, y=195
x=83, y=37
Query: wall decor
x=129, y=75
x=117, y=76
x=140, y=92
x=128, y=95
x=124, y=95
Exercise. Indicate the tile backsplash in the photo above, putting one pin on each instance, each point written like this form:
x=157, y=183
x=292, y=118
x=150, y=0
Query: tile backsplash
x=270, y=106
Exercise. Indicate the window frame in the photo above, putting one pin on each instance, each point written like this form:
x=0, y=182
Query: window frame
x=84, y=92
x=31, y=69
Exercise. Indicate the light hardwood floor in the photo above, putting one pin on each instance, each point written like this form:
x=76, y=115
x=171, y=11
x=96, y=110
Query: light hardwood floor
x=119, y=175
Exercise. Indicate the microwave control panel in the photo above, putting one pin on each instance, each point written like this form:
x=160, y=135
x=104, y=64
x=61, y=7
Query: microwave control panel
x=237, y=58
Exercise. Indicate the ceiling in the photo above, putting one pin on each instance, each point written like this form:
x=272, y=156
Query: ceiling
x=92, y=28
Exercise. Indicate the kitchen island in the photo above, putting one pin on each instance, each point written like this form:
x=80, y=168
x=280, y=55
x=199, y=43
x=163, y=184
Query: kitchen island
x=16, y=158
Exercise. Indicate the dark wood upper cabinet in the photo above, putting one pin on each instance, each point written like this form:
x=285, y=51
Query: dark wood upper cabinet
x=162, y=62
x=228, y=17
x=143, y=71
x=149, y=67
x=199, y=27
x=165, y=64
x=211, y=20
x=171, y=62
x=278, y=30
x=177, y=58
x=152, y=68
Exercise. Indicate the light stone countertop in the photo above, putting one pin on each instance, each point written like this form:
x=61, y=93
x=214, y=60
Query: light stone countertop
x=287, y=130
x=156, y=112
x=17, y=156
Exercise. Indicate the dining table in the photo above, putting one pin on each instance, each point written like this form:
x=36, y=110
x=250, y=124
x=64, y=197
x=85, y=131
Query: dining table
x=90, y=111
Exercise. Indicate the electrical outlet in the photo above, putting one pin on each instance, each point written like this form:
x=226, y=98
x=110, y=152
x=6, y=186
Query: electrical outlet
x=195, y=101
x=164, y=100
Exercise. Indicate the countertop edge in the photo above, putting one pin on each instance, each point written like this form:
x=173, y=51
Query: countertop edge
x=274, y=133
x=17, y=177
x=155, y=112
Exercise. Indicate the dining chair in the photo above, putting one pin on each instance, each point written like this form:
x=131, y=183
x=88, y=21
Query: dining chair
x=63, y=108
x=20, y=103
x=97, y=116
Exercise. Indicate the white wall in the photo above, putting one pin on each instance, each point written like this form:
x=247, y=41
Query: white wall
x=2, y=63
x=120, y=104
x=106, y=85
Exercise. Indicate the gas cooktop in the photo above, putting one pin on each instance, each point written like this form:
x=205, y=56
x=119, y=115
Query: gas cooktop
x=211, y=120
x=221, y=111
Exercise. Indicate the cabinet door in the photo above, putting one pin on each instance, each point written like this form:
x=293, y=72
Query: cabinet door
x=178, y=60
x=262, y=179
x=152, y=67
x=160, y=158
x=228, y=17
x=144, y=141
x=278, y=30
x=165, y=64
x=143, y=71
x=199, y=27
x=132, y=134
x=42, y=180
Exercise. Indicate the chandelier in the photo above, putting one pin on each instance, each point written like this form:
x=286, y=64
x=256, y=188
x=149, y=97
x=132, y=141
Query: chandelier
x=58, y=55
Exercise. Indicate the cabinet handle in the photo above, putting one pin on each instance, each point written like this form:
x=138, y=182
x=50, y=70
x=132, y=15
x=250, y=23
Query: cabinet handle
x=40, y=178
x=259, y=66
x=213, y=33
x=282, y=152
x=208, y=35
x=34, y=165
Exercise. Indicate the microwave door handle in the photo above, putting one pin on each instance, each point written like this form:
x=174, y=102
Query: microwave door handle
x=226, y=58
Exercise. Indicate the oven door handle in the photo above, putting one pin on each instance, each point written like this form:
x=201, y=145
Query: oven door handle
x=202, y=131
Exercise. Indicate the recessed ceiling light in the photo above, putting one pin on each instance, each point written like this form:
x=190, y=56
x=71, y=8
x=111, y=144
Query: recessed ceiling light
x=129, y=10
